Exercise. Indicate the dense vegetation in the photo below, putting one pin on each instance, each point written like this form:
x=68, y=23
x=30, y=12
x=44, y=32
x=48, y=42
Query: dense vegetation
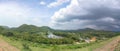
x=39, y=34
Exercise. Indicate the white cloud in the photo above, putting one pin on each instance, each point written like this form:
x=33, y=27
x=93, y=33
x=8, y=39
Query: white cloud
x=107, y=19
x=102, y=14
x=42, y=3
x=73, y=7
x=12, y=11
x=57, y=3
x=73, y=24
x=14, y=14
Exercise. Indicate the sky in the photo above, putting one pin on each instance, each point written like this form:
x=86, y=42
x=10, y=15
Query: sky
x=62, y=14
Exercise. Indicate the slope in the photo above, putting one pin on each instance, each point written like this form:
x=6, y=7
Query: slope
x=4, y=46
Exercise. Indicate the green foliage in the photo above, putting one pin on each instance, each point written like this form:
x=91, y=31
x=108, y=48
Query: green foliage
x=39, y=34
x=26, y=47
x=31, y=36
x=8, y=34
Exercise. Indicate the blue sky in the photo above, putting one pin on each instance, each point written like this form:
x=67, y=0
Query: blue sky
x=62, y=14
x=36, y=12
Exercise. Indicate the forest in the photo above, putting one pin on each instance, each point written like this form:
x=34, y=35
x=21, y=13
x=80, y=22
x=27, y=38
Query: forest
x=30, y=37
x=40, y=35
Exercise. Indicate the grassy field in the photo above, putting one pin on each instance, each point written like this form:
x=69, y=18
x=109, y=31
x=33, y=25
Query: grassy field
x=29, y=46
x=118, y=47
x=91, y=47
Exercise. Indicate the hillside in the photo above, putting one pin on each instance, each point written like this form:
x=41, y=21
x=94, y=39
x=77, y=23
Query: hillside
x=34, y=38
x=5, y=46
x=111, y=46
x=40, y=34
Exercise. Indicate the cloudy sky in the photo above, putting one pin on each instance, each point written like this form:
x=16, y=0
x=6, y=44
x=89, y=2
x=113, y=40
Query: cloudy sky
x=62, y=14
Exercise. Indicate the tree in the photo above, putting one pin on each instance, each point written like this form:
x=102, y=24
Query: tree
x=8, y=34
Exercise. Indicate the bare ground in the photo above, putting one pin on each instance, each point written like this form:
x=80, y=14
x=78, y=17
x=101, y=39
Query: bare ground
x=110, y=46
x=4, y=46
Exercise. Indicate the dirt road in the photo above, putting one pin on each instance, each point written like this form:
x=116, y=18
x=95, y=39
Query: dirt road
x=4, y=46
x=110, y=46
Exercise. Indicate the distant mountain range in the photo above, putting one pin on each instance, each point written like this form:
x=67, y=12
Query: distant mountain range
x=25, y=27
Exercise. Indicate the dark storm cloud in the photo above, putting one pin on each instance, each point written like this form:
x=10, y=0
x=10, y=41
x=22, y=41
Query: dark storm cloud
x=97, y=14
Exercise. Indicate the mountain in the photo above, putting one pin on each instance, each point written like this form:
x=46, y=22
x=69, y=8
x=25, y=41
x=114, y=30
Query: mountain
x=72, y=34
x=31, y=28
x=5, y=27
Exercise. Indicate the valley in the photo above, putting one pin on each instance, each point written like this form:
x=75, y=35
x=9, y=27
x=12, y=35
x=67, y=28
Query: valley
x=33, y=38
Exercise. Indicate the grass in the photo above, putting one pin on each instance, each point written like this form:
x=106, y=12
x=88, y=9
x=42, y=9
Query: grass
x=118, y=47
x=29, y=46
x=97, y=45
x=91, y=47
